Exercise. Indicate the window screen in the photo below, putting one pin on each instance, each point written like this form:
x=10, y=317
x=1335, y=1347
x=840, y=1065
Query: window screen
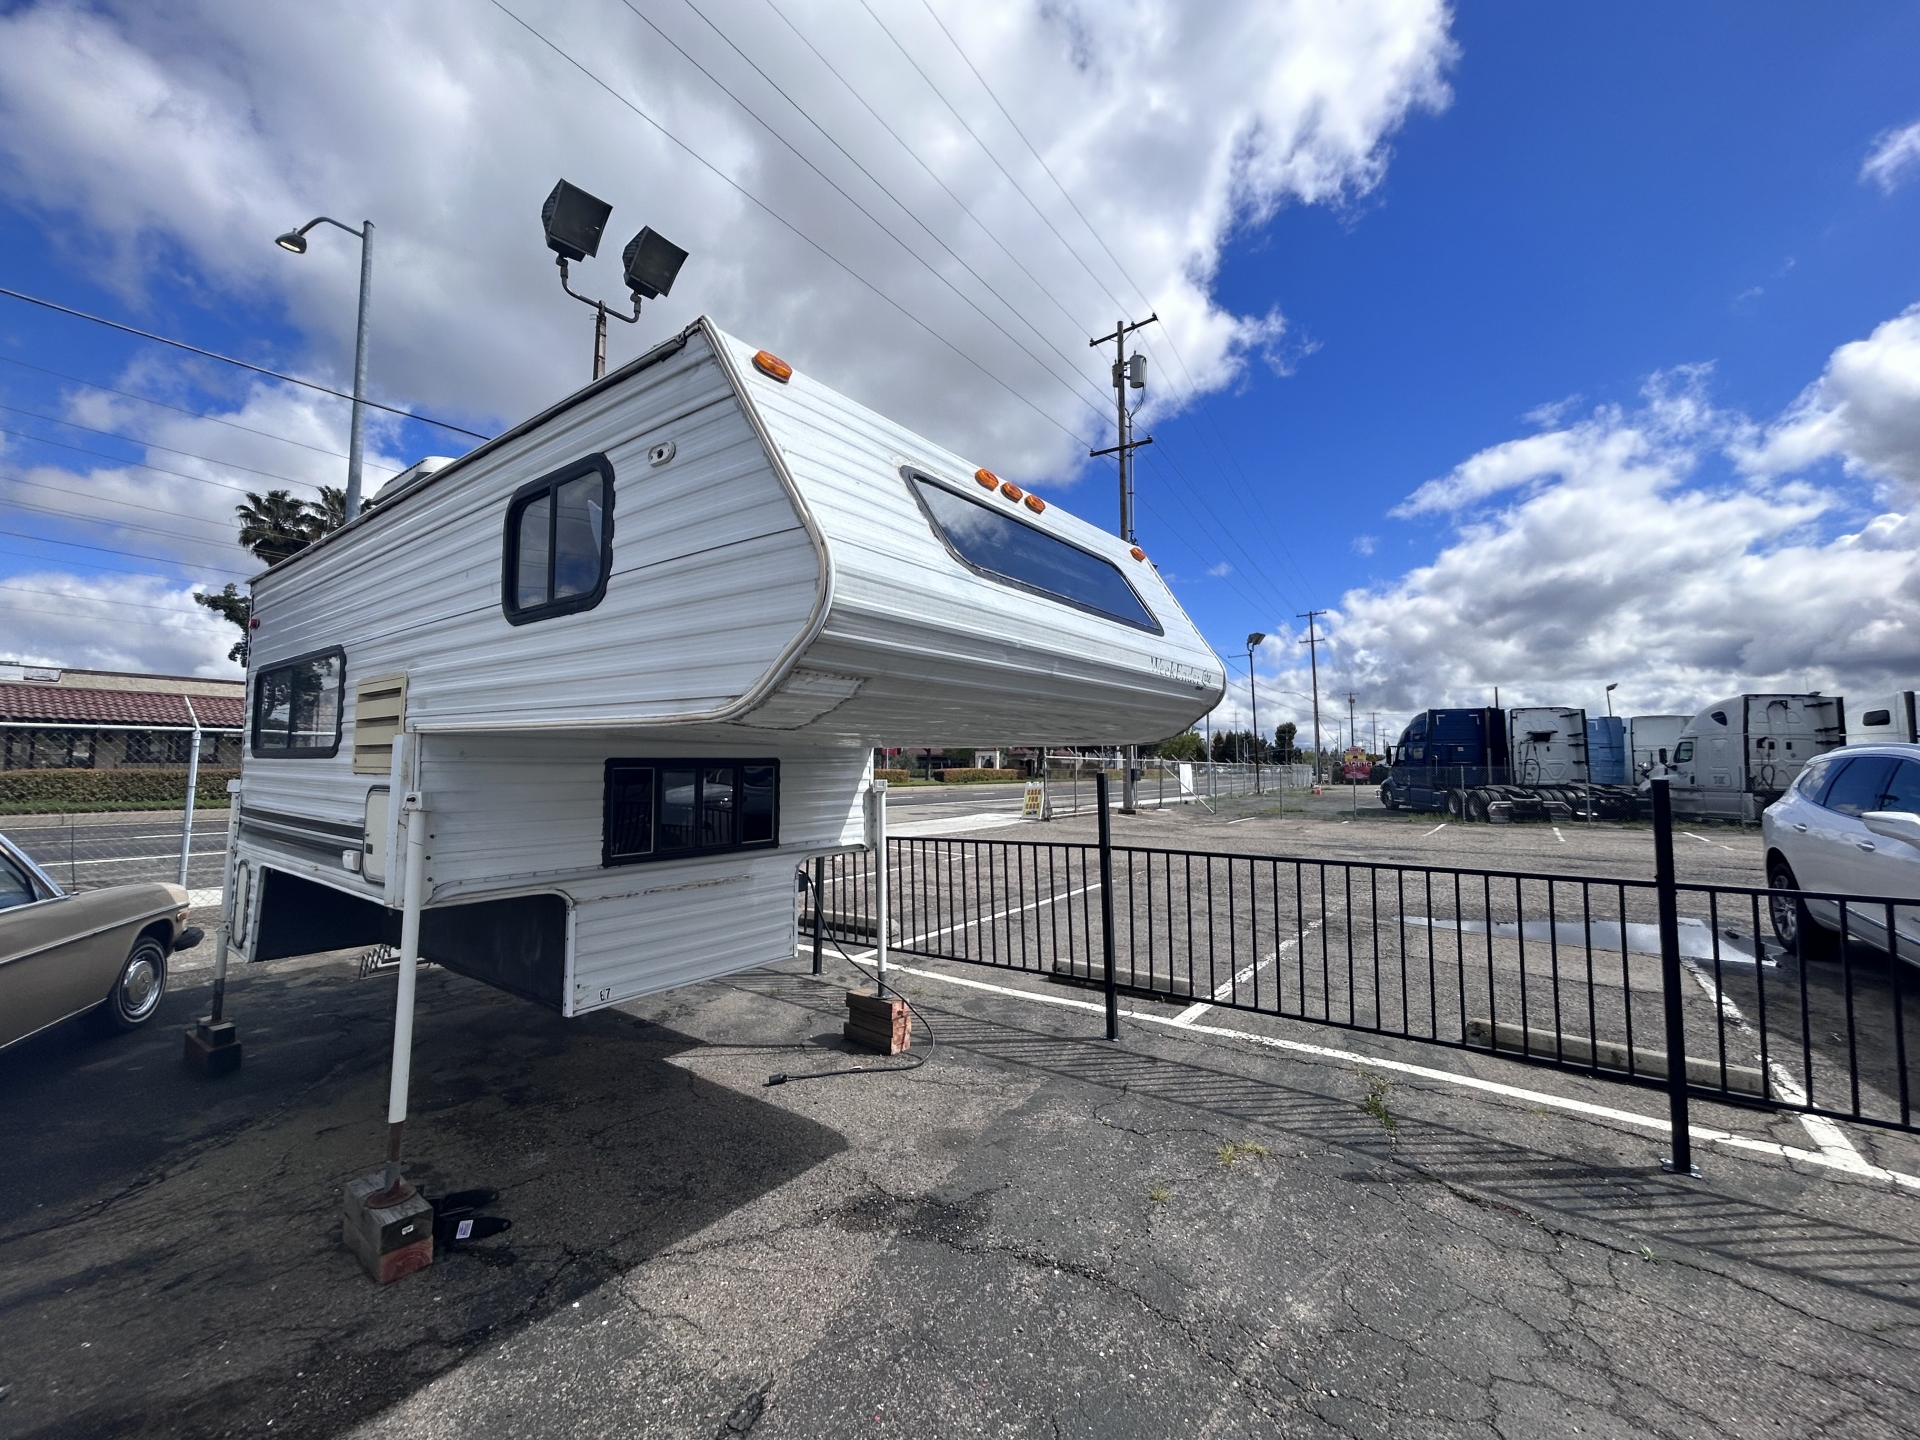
x=671, y=809
x=991, y=542
x=296, y=707
x=559, y=542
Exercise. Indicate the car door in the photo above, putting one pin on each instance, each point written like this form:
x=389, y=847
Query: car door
x=1839, y=848
x=1886, y=866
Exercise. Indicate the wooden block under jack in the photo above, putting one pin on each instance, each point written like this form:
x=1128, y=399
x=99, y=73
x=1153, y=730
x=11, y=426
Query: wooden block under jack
x=879, y=1023
x=213, y=1046
x=391, y=1241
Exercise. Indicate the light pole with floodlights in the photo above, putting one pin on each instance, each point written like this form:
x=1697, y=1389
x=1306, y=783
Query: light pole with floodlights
x=295, y=243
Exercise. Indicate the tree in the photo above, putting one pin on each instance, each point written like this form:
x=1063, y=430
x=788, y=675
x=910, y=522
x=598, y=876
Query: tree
x=1181, y=747
x=236, y=607
x=328, y=513
x=1283, y=738
x=275, y=525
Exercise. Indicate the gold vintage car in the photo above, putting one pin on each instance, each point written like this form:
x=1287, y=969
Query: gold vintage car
x=103, y=950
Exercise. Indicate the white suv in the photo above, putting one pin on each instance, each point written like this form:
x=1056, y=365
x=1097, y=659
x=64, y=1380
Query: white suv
x=1849, y=825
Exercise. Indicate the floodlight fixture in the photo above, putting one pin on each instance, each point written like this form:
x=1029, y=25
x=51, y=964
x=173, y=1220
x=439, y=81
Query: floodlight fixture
x=574, y=221
x=652, y=261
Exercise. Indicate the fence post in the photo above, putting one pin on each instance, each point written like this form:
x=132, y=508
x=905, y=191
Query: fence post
x=1106, y=903
x=193, y=785
x=1680, y=1162
x=819, y=906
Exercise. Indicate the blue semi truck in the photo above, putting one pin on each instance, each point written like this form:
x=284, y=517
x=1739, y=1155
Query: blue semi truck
x=1491, y=764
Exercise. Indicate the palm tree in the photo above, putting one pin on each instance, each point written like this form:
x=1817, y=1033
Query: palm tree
x=275, y=525
x=329, y=512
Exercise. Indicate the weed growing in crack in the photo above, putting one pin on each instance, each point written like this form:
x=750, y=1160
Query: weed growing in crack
x=1378, y=1087
x=1157, y=1196
x=1236, y=1149
x=1646, y=1254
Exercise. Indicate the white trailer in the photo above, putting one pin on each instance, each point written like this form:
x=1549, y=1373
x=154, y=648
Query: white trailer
x=631, y=658
x=1651, y=740
x=1889, y=718
x=1738, y=756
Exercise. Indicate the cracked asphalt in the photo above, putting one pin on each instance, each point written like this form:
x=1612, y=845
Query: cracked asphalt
x=1036, y=1232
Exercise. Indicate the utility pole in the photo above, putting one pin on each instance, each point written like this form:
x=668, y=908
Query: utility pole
x=1313, y=642
x=1127, y=374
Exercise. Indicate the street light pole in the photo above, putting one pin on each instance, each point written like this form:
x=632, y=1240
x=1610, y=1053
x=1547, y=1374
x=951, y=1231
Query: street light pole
x=295, y=243
x=1253, y=703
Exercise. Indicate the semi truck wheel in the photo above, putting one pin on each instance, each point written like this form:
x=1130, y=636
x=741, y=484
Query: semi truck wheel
x=1476, y=805
x=1456, y=804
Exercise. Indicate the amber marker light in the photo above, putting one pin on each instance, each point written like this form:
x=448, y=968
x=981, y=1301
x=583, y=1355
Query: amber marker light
x=1137, y=553
x=769, y=364
x=1036, y=504
x=988, y=480
x=1011, y=490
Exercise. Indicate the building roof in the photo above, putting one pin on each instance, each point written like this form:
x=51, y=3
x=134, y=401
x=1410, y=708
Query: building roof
x=15, y=671
x=59, y=704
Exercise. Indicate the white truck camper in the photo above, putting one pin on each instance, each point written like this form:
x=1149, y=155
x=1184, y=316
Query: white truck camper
x=1739, y=755
x=603, y=683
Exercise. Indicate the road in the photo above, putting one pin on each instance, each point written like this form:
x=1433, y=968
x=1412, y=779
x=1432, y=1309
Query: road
x=85, y=852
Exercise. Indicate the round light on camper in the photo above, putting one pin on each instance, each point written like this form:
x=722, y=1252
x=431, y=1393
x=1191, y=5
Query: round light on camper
x=988, y=480
x=770, y=364
x=1011, y=490
x=1036, y=504
x=1137, y=553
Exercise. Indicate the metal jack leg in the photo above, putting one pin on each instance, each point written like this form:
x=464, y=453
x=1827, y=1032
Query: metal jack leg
x=213, y=1041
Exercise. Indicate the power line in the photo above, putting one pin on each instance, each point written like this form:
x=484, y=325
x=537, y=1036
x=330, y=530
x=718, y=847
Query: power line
x=149, y=444
x=141, y=465
x=129, y=554
x=782, y=220
x=117, y=524
x=904, y=208
x=100, y=599
x=183, y=410
x=105, y=500
x=243, y=364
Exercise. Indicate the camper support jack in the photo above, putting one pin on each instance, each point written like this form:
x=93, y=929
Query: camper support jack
x=386, y=1222
x=212, y=1041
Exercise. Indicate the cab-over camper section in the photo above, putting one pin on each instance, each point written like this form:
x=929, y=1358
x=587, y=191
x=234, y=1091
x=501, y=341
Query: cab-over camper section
x=633, y=655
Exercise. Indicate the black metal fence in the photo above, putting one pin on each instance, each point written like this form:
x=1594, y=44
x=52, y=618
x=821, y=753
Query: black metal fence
x=1653, y=983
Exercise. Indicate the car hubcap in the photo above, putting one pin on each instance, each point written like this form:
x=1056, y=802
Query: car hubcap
x=140, y=987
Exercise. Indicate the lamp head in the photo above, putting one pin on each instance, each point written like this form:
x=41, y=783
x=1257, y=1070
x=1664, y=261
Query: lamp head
x=652, y=261
x=1255, y=639
x=573, y=221
x=293, y=242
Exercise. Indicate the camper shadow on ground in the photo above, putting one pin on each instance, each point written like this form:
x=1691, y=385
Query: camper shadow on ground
x=171, y=1262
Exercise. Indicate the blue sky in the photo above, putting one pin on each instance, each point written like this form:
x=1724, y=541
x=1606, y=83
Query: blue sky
x=1395, y=242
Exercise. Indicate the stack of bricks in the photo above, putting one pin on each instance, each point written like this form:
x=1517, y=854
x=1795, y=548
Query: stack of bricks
x=878, y=1023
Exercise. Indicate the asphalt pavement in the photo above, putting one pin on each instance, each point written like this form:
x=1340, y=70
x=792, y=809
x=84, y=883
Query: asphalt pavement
x=87, y=851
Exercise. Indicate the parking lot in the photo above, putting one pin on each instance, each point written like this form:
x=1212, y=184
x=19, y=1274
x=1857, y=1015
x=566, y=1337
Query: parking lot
x=1227, y=1224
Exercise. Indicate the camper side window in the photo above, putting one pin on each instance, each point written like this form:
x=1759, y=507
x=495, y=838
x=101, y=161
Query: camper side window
x=559, y=543
x=672, y=809
x=296, y=707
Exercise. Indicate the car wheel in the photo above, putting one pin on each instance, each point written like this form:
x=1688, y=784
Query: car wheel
x=1793, y=926
x=135, y=996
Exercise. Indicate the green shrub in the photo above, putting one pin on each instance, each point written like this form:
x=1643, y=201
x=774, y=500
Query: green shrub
x=29, y=792
x=969, y=775
x=893, y=777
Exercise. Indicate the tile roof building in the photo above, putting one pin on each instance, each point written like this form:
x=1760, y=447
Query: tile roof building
x=100, y=719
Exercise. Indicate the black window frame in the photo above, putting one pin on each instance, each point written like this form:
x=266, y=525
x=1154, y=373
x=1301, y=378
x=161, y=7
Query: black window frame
x=304, y=752
x=548, y=485
x=913, y=478
x=699, y=765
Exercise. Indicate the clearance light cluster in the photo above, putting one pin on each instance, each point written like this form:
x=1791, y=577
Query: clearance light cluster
x=987, y=480
x=768, y=363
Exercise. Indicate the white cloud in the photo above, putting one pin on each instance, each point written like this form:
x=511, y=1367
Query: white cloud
x=1612, y=556
x=1895, y=155
x=176, y=143
x=1865, y=408
x=1365, y=544
x=1220, y=571
x=135, y=622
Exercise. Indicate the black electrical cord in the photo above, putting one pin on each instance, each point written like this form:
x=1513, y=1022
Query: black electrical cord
x=780, y=1077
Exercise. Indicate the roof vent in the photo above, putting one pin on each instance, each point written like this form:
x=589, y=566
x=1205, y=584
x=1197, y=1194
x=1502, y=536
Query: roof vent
x=419, y=470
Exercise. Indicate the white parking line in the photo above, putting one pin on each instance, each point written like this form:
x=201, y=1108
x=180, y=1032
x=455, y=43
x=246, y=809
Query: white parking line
x=1436, y=829
x=1700, y=1133
x=1243, y=820
x=1558, y=836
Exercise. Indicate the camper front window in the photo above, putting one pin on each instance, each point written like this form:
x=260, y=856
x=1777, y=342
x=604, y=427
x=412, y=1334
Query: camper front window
x=296, y=707
x=558, y=542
